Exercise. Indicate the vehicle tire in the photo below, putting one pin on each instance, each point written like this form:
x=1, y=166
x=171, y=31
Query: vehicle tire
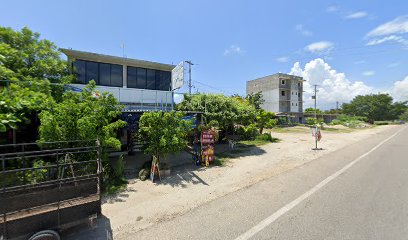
x=45, y=235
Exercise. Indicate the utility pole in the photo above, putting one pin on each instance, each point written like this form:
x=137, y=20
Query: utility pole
x=337, y=105
x=189, y=75
x=316, y=131
x=315, y=98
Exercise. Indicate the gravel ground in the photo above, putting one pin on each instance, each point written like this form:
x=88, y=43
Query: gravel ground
x=145, y=203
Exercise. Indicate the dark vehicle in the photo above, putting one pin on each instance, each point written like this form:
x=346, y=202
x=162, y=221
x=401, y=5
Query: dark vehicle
x=47, y=188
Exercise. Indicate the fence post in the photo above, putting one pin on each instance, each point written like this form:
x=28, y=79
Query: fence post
x=59, y=176
x=3, y=164
x=99, y=173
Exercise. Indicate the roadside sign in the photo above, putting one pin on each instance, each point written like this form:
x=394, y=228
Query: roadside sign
x=207, y=147
x=177, y=76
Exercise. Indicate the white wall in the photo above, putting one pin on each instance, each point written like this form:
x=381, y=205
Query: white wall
x=133, y=95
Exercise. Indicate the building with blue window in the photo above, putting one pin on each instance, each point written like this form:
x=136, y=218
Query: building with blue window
x=139, y=85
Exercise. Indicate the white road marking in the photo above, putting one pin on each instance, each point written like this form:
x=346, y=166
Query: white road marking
x=272, y=218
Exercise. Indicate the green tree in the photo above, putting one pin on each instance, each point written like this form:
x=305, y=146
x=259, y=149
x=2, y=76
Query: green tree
x=404, y=116
x=265, y=120
x=311, y=110
x=256, y=99
x=18, y=102
x=398, y=108
x=227, y=111
x=375, y=107
x=163, y=133
x=28, y=66
x=24, y=56
x=86, y=115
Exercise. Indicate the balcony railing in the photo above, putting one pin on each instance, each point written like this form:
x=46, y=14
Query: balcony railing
x=138, y=99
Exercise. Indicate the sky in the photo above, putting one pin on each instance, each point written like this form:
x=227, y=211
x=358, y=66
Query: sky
x=346, y=47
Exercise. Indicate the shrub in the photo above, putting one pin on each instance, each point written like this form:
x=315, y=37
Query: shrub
x=120, y=167
x=265, y=137
x=349, y=121
x=250, y=132
x=311, y=121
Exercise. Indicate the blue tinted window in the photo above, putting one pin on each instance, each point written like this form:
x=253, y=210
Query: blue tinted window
x=163, y=80
x=104, y=74
x=131, y=77
x=141, y=78
x=79, y=70
x=116, y=75
x=92, y=72
x=151, y=79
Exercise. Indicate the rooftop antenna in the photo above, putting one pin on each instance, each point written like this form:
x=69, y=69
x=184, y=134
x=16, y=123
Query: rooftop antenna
x=123, y=49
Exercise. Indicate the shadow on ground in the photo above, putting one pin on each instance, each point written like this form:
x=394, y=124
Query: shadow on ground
x=102, y=231
x=119, y=196
x=186, y=174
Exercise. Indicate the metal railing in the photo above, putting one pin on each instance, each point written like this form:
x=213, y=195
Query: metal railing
x=37, y=178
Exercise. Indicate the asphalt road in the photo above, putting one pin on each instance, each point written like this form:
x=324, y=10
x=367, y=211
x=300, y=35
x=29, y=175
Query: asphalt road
x=358, y=192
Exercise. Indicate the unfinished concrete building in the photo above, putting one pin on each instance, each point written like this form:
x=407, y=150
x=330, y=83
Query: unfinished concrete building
x=283, y=94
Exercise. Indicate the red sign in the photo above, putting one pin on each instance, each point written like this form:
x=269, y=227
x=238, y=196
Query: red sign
x=207, y=146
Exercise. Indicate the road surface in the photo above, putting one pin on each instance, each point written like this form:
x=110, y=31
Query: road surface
x=359, y=192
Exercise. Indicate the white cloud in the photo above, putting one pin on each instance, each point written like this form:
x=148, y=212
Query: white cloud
x=369, y=73
x=400, y=90
x=333, y=86
x=233, y=49
x=320, y=47
x=300, y=29
x=332, y=8
x=394, y=38
x=356, y=15
x=395, y=31
x=282, y=59
x=397, y=26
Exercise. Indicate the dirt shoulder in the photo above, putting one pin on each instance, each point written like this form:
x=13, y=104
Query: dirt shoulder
x=145, y=203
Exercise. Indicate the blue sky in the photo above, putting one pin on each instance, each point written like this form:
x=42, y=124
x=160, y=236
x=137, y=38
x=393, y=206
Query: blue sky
x=235, y=41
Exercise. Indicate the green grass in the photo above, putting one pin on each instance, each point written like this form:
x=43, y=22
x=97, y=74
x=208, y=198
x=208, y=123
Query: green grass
x=113, y=186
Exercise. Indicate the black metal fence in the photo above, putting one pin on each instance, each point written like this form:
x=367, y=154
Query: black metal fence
x=49, y=185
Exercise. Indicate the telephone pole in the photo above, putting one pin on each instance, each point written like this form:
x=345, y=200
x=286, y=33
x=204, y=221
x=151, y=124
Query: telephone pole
x=189, y=76
x=315, y=99
x=316, y=131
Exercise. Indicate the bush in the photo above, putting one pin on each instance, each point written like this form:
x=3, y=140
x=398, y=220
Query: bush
x=311, y=121
x=349, y=121
x=250, y=132
x=120, y=167
x=264, y=137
